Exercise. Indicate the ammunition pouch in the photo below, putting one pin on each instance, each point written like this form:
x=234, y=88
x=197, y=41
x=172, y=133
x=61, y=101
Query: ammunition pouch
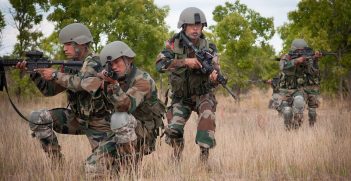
x=150, y=114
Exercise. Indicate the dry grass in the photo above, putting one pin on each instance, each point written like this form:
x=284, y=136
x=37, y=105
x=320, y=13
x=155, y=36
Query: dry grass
x=251, y=145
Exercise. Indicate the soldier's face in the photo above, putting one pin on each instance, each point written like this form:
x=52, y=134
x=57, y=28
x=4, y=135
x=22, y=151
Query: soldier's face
x=193, y=31
x=74, y=51
x=69, y=50
x=119, y=66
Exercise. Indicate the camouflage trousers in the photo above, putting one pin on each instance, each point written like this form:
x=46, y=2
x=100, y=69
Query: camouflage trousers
x=124, y=148
x=313, y=103
x=179, y=113
x=275, y=102
x=107, y=145
x=293, y=105
x=64, y=121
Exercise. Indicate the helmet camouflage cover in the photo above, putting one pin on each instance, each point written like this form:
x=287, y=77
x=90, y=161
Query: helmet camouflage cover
x=191, y=15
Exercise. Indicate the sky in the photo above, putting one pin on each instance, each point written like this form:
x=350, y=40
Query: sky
x=278, y=9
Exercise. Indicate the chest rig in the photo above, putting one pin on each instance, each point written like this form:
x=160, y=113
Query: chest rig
x=187, y=82
x=84, y=104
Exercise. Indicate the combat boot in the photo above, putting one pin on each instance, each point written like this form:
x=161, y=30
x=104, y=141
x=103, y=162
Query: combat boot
x=298, y=118
x=178, y=147
x=175, y=139
x=312, y=115
x=55, y=155
x=204, y=154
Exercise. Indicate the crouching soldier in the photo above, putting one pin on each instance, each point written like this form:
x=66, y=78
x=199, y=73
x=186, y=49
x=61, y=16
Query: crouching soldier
x=138, y=113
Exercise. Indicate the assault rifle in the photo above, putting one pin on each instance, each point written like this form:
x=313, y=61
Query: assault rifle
x=306, y=52
x=36, y=60
x=205, y=58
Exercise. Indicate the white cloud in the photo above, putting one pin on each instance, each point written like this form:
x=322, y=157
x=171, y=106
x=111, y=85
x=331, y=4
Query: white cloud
x=277, y=9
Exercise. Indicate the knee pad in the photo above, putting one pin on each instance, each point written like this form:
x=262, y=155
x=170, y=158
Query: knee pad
x=287, y=113
x=41, y=117
x=298, y=104
x=312, y=114
x=276, y=101
x=123, y=125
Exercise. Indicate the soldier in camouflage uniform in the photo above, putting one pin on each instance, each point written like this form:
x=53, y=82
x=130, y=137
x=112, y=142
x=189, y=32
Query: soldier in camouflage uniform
x=299, y=83
x=191, y=90
x=138, y=113
x=275, y=101
x=86, y=114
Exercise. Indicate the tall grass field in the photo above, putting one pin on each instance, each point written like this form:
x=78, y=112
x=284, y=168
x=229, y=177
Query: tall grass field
x=252, y=144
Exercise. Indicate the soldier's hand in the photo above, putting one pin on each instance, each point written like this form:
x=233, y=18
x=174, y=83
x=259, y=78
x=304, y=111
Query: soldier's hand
x=46, y=73
x=300, y=60
x=192, y=63
x=103, y=75
x=213, y=76
x=22, y=65
x=317, y=54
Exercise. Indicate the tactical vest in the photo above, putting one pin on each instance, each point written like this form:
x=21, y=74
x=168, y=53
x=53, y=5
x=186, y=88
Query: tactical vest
x=150, y=112
x=187, y=82
x=303, y=75
x=84, y=104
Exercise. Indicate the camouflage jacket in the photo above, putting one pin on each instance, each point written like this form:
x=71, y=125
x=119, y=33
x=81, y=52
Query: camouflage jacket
x=294, y=76
x=79, y=87
x=185, y=82
x=137, y=94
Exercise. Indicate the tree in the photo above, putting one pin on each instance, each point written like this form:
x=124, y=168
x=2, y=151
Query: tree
x=242, y=39
x=25, y=15
x=326, y=25
x=2, y=26
x=139, y=23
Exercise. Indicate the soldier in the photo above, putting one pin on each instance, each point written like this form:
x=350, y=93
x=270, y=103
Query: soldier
x=138, y=113
x=191, y=89
x=276, y=100
x=86, y=114
x=299, y=83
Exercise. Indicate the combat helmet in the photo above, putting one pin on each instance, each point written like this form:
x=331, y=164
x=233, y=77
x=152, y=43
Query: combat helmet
x=75, y=32
x=114, y=50
x=298, y=44
x=191, y=15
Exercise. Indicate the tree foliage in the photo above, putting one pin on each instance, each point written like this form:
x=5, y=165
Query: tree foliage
x=2, y=26
x=139, y=23
x=26, y=14
x=326, y=25
x=242, y=39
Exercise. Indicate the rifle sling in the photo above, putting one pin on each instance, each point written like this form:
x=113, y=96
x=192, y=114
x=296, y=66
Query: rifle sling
x=15, y=108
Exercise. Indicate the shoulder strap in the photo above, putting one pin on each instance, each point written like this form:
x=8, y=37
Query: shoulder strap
x=14, y=106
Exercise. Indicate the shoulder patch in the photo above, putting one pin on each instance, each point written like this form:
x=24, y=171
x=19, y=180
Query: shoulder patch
x=169, y=45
